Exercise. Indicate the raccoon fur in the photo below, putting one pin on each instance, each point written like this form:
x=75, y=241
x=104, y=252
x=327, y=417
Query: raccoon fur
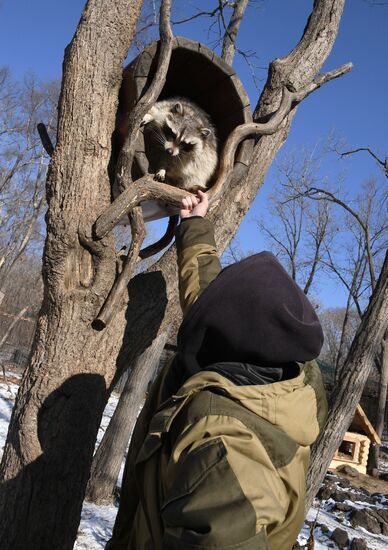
x=180, y=143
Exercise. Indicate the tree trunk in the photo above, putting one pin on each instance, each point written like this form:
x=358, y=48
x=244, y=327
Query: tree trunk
x=354, y=374
x=56, y=416
x=340, y=352
x=373, y=462
x=109, y=455
x=58, y=410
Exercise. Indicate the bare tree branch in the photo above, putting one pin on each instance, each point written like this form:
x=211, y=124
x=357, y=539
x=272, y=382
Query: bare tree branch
x=319, y=233
x=351, y=290
x=227, y=32
x=120, y=286
x=317, y=193
x=45, y=138
x=383, y=163
x=124, y=162
x=231, y=30
x=199, y=14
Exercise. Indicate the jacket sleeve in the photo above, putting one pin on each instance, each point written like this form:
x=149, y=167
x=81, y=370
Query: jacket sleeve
x=207, y=506
x=198, y=262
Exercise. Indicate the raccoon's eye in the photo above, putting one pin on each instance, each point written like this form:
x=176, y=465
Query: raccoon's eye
x=187, y=146
x=168, y=132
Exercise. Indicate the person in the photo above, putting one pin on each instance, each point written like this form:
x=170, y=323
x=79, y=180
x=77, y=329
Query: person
x=219, y=454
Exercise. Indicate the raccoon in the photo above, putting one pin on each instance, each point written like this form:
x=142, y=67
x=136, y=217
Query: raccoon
x=180, y=144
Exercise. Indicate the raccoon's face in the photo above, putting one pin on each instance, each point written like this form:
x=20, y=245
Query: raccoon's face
x=183, y=135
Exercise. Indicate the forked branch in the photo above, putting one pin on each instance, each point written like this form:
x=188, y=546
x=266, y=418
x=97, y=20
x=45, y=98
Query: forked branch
x=112, y=303
x=383, y=163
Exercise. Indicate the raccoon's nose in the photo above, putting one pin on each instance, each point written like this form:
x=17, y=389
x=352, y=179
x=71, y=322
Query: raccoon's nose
x=169, y=150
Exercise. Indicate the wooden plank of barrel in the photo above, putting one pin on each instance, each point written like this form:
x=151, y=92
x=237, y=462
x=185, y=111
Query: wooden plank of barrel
x=197, y=73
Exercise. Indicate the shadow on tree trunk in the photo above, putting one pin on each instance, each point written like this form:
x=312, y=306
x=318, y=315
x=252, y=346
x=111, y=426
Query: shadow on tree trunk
x=41, y=494
x=134, y=341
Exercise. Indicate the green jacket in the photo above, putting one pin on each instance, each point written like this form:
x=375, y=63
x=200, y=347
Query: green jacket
x=218, y=465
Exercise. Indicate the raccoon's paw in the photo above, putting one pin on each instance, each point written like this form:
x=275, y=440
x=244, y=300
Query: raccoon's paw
x=146, y=119
x=160, y=175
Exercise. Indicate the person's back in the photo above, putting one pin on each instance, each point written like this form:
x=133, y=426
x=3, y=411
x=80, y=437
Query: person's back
x=220, y=451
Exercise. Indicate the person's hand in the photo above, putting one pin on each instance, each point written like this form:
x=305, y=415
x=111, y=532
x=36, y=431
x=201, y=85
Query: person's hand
x=194, y=205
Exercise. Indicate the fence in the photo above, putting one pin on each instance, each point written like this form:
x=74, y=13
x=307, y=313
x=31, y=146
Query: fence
x=15, y=356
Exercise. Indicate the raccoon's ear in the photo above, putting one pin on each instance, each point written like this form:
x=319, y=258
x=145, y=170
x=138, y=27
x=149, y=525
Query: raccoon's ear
x=205, y=132
x=177, y=108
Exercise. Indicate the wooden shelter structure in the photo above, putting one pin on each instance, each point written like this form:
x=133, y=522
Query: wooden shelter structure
x=354, y=449
x=198, y=74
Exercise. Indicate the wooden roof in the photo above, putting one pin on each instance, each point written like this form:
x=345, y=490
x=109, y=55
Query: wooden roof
x=362, y=424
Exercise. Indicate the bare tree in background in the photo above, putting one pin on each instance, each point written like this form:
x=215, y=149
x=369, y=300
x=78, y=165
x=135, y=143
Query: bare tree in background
x=296, y=230
x=72, y=368
x=23, y=165
x=354, y=253
x=225, y=18
x=366, y=221
x=379, y=239
x=356, y=262
x=22, y=290
x=354, y=374
x=332, y=320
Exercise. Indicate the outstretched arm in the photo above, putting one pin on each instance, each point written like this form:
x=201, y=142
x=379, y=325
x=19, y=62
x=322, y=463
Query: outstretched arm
x=198, y=262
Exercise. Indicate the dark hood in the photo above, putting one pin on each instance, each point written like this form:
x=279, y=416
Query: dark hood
x=253, y=312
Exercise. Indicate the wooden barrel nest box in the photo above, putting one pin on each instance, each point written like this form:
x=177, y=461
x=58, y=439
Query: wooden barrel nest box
x=197, y=73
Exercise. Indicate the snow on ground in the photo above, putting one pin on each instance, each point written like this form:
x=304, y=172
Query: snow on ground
x=322, y=540
x=96, y=526
x=97, y=521
x=8, y=392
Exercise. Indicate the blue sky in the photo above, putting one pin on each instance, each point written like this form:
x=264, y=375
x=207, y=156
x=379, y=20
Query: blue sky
x=34, y=34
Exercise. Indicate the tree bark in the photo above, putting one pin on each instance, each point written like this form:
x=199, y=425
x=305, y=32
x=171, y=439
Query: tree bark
x=109, y=455
x=373, y=462
x=58, y=410
x=229, y=42
x=354, y=374
x=64, y=390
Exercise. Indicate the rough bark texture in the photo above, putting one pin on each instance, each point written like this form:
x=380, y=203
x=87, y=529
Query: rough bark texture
x=229, y=42
x=109, y=455
x=56, y=416
x=354, y=374
x=373, y=460
x=63, y=392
